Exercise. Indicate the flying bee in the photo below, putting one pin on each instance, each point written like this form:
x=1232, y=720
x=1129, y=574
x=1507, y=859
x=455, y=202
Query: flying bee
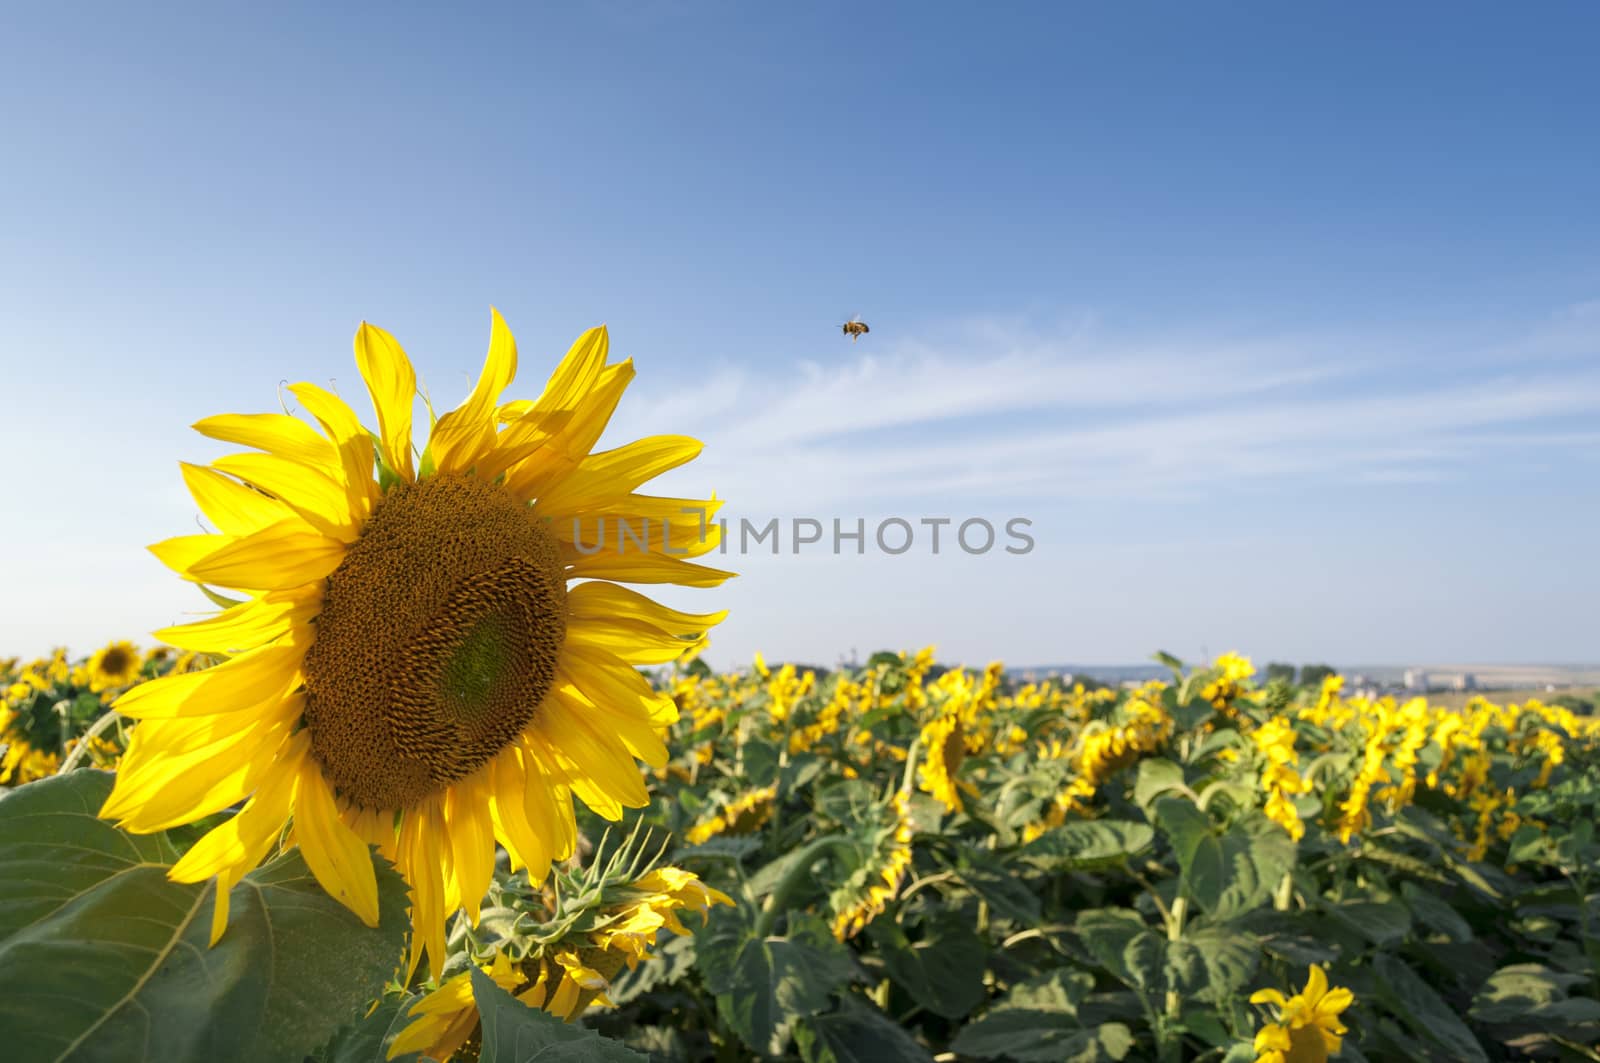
x=855, y=328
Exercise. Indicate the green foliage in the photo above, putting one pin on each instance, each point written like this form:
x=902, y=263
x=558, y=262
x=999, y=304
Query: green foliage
x=512, y=1032
x=101, y=957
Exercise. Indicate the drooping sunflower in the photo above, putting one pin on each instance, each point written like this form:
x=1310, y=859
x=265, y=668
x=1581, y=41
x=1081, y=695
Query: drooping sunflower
x=408, y=666
x=563, y=978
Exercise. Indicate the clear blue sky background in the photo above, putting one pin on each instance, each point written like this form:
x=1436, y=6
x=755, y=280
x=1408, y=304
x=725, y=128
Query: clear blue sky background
x=1281, y=324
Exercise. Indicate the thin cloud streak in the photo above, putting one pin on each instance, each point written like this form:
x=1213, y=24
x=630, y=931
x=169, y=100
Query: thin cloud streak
x=921, y=424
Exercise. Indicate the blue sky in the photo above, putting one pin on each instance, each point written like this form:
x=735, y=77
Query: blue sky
x=1282, y=326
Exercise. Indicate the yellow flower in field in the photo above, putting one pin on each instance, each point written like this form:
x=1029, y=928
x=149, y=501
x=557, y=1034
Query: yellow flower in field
x=565, y=979
x=742, y=815
x=408, y=667
x=945, y=741
x=1232, y=670
x=883, y=882
x=21, y=763
x=116, y=665
x=1308, y=1029
x=1275, y=740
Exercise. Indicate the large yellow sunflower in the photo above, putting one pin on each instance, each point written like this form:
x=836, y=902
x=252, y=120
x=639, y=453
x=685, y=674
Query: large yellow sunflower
x=408, y=666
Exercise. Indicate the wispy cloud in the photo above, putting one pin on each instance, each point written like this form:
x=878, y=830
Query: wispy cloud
x=1073, y=415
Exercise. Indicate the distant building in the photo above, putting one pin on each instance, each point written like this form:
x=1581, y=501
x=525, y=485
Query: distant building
x=1416, y=679
x=1466, y=681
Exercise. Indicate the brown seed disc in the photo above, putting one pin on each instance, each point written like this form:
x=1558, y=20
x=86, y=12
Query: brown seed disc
x=116, y=661
x=436, y=643
x=954, y=749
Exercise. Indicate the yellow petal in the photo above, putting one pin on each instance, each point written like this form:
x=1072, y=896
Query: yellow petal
x=336, y=854
x=244, y=683
x=471, y=835
x=509, y=782
x=638, y=524
x=156, y=789
x=422, y=864
x=181, y=551
x=354, y=444
x=240, y=844
x=467, y=433
x=577, y=373
x=627, y=640
x=392, y=382
x=1316, y=984
x=618, y=471
x=248, y=625
x=600, y=601
x=645, y=568
x=235, y=508
x=276, y=433
x=220, y=897
x=608, y=779
x=607, y=679
x=282, y=557
x=316, y=496
x=637, y=734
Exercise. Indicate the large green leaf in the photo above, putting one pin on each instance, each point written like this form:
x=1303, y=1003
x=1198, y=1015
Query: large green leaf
x=764, y=985
x=1215, y=962
x=1157, y=776
x=515, y=1033
x=857, y=1033
x=366, y=1040
x=1038, y=1022
x=1121, y=942
x=1008, y=895
x=1085, y=844
x=1424, y=1011
x=1228, y=875
x=942, y=972
x=103, y=958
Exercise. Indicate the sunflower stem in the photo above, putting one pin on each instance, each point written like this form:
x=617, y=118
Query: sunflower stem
x=99, y=727
x=798, y=877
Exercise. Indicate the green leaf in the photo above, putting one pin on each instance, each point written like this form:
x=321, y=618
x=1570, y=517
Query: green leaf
x=1157, y=775
x=1121, y=942
x=1230, y=875
x=515, y=1033
x=1008, y=896
x=1038, y=1022
x=1384, y=923
x=1085, y=844
x=857, y=1033
x=1421, y=1009
x=1224, y=960
x=99, y=952
x=1530, y=996
x=1434, y=913
x=943, y=972
x=366, y=1040
x=763, y=986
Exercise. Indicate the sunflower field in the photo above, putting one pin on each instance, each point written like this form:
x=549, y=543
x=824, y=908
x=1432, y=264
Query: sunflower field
x=894, y=862
x=432, y=782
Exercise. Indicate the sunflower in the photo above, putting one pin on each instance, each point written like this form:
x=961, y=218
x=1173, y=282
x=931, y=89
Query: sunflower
x=743, y=814
x=563, y=978
x=407, y=666
x=115, y=665
x=1308, y=1029
x=946, y=742
x=868, y=891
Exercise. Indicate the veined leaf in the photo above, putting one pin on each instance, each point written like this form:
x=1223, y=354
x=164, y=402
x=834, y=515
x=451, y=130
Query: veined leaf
x=103, y=958
x=516, y=1033
x=857, y=1033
